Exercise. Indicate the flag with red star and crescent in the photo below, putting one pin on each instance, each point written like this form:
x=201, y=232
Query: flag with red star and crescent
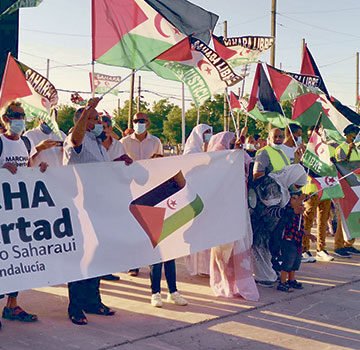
x=130, y=33
x=322, y=172
x=350, y=204
x=201, y=69
x=166, y=208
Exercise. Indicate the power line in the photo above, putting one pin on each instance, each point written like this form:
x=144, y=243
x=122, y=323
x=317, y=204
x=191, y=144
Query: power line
x=322, y=11
x=318, y=27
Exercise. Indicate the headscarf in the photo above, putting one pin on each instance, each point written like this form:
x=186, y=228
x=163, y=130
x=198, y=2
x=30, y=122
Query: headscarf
x=294, y=174
x=220, y=141
x=195, y=140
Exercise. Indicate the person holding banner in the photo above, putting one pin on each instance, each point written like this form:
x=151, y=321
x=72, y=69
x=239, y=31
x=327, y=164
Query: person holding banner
x=141, y=145
x=347, y=151
x=22, y=154
x=83, y=145
x=230, y=264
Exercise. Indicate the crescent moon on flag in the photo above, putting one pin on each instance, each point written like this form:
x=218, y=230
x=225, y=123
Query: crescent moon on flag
x=168, y=202
x=317, y=148
x=201, y=63
x=157, y=22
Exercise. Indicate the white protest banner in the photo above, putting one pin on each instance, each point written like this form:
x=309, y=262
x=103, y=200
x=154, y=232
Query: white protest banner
x=87, y=220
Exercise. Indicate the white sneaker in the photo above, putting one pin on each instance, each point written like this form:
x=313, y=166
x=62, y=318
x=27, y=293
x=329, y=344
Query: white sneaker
x=307, y=258
x=177, y=299
x=156, y=300
x=323, y=255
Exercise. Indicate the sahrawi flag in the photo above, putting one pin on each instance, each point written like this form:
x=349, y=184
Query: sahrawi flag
x=241, y=50
x=130, y=33
x=166, y=208
x=323, y=172
x=19, y=4
x=201, y=69
x=263, y=104
x=350, y=204
x=36, y=93
x=102, y=83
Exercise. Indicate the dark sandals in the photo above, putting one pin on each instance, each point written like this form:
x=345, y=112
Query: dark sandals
x=18, y=314
x=101, y=309
x=78, y=317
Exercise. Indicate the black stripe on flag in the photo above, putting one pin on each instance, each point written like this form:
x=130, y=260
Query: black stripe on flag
x=161, y=192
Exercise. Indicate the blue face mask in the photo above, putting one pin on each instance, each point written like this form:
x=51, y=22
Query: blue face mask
x=207, y=137
x=45, y=128
x=98, y=129
x=139, y=128
x=17, y=126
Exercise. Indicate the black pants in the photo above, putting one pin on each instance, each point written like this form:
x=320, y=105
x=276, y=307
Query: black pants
x=84, y=294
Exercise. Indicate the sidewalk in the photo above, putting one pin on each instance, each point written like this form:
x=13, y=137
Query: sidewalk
x=325, y=315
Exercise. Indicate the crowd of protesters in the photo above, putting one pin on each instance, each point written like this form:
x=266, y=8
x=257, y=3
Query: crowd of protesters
x=283, y=202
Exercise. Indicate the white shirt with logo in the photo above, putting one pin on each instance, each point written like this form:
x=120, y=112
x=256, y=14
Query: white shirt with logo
x=15, y=151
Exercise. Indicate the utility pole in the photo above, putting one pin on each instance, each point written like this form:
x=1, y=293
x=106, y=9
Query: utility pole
x=273, y=32
x=118, y=108
x=357, y=102
x=303, y=43
x=47, y=68
x=139, y=95
x=130, y=115
x=226, y=123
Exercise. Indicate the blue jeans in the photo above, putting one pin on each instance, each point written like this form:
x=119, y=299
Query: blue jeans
x=170, y=275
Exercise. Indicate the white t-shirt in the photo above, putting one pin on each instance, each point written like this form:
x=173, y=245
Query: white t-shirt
x=115, y=150
x=145, y=149
x=15, y=151
x=289, y=151
x=52, y=156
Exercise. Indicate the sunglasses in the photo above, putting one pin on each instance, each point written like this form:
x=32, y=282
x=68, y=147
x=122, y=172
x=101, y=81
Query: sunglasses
x=15, y=115
x=140, y=121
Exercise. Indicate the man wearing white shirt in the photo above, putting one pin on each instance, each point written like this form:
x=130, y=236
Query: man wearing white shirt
x=141, y=144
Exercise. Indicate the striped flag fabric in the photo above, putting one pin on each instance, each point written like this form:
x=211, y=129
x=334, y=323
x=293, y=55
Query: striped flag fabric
x=350, y=204
x=166, y=208
x=130, y=33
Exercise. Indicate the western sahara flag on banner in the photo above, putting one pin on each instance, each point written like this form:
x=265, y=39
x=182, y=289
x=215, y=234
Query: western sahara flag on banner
x=130, y=33
x=350, y=204
x=103, y=83
x=241, y=50
x=36, y=93
x=201, y=69
x=317, y=159
x=21, y=3
x=166, y=208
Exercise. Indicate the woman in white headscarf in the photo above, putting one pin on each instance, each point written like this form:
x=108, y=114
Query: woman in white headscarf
x=230, y=264
x=198, y=139
x=198, y=263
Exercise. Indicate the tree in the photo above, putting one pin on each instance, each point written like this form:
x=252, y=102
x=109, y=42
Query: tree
x=172, y=126
x=159, y=112
x=65, y=117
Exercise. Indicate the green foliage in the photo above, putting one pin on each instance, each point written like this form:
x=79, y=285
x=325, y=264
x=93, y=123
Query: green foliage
x=65, y=117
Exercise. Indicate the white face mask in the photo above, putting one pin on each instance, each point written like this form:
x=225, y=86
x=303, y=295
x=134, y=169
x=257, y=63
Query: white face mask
x=357, y=138
x=299, y=141
x=98, y=129
x=249, y=147
x=139, y=128
x=274, y=145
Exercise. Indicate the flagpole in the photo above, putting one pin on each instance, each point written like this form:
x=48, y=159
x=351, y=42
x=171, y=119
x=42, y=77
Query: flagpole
x=92, y=79
x=232, y=117
x=182, y=115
